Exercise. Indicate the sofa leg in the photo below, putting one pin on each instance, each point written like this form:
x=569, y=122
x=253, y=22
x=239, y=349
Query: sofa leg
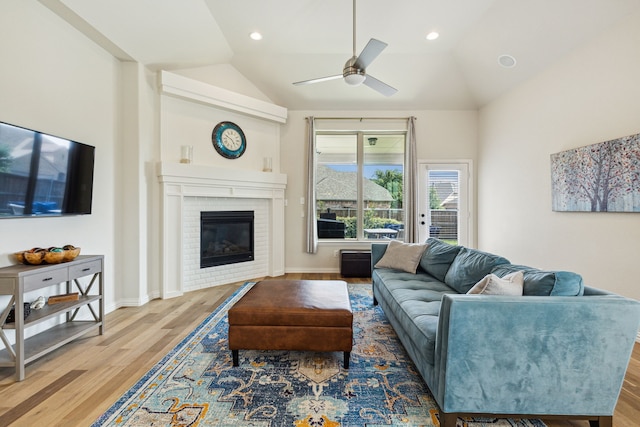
x=347, y=356
x=601, y=422
x=375, y=301
x=234, y=357
x=448, y=419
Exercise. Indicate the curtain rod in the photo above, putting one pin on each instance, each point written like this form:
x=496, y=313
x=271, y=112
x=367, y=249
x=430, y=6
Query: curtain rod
x=363, y=118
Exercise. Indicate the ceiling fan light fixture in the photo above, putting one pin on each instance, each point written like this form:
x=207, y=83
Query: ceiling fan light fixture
x=355, y=79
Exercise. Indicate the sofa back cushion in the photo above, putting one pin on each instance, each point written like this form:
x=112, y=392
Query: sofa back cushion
x=545, y=282
x=469, y=267
x=437, y=258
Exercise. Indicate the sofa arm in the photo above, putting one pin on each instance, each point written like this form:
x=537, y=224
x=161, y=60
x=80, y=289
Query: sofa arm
x=377, y=251
x=533, y=355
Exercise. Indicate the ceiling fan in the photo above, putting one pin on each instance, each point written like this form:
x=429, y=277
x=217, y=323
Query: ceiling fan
x=354, y=72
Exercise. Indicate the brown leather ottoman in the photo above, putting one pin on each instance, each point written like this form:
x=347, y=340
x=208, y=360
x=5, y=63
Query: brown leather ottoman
x=305, y=315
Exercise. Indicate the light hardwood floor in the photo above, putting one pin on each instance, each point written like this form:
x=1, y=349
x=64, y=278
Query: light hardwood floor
x=75, y=384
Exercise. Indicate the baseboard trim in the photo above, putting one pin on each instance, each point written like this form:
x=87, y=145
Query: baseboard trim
x=312, y=270
x=638, y=337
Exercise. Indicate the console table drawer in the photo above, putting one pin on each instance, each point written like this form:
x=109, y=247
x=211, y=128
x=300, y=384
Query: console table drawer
x=46, y=278
x=84, y=269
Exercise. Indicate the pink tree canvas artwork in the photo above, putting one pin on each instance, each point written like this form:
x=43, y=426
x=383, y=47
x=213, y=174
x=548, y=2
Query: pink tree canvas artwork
x=603, y=177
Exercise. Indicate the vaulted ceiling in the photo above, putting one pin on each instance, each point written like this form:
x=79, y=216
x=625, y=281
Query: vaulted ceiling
x=305, y=39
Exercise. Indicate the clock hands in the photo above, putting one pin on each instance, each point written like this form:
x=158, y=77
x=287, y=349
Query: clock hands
x=231, y=140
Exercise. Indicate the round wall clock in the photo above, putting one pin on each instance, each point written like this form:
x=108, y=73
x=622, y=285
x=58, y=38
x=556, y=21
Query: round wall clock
x=229, y=140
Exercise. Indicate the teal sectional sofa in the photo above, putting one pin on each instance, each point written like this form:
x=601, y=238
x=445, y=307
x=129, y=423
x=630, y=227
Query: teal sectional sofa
x=560, y=350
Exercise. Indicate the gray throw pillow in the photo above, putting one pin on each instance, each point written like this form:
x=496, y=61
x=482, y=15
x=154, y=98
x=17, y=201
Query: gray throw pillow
x=402, y=256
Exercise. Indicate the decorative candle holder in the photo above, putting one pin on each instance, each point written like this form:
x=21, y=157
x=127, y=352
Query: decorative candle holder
x=266, y=164
x=186, y=154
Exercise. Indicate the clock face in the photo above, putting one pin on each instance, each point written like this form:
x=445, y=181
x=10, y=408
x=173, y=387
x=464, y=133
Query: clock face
x=229, y=140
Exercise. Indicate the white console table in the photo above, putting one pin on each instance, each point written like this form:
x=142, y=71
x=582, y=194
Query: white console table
x=16, y=280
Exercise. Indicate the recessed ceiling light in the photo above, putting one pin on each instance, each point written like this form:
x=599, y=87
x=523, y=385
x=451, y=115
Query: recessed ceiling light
x=433, y=35
x=255, y=35
x=507, y=61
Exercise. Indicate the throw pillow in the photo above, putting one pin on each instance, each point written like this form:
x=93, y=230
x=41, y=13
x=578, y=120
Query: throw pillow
x=402, y=256
x=511, y=284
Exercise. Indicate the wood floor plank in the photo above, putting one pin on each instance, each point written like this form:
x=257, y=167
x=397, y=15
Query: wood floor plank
x=73, y=385
x=38, y=397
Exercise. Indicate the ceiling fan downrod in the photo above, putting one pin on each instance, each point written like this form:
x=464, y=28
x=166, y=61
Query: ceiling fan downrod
x=353, y=75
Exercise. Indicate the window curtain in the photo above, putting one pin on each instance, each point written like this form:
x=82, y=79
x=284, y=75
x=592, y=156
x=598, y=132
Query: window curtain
x=312, y=230
x=410, y=185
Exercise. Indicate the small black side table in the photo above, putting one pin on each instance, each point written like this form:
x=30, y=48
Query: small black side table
x=355, y=262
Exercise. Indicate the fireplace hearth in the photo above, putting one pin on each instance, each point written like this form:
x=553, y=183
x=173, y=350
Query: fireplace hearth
x=226, y=237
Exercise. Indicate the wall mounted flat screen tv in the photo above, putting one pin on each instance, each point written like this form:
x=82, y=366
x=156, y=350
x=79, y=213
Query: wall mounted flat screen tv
x=43, y=175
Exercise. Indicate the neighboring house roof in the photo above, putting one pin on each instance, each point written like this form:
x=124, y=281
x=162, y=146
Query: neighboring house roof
x=447, y=193
x=443, y=189
x=335, y=185
x=451, y=202
x=53, y=156
x=53, y=170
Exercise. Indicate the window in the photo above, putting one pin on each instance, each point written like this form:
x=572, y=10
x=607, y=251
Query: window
x=359, y=185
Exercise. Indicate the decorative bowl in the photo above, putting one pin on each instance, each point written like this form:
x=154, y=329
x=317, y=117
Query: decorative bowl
x=20, y=257
x=71, y=254
x=54, y=257
x=34, y=258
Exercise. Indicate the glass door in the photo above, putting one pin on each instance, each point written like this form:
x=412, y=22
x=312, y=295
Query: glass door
x=444, y=205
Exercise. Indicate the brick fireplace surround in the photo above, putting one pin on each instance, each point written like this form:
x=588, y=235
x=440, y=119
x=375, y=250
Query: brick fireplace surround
x=188, y=189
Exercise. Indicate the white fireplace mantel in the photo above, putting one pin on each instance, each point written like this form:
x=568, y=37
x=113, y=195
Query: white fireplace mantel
x=179, y=181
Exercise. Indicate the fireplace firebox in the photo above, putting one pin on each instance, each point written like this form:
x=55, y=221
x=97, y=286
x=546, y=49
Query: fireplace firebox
x=226, y=237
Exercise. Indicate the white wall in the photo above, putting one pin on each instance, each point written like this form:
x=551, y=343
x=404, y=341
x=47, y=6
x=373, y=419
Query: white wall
x=440, y=135
x=54, y=80
x=590, y=97
x=185, y=122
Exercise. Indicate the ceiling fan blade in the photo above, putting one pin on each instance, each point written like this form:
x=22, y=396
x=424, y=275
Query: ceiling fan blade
x=321, y=79
x=379, y=86
x=369, y=53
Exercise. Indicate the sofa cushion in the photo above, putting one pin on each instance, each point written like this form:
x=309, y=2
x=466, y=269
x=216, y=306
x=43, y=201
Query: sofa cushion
x=437, y=258
x=469, y=266
x=414, y=300
x=545, y=282
x=402, y=256
x=511, y=284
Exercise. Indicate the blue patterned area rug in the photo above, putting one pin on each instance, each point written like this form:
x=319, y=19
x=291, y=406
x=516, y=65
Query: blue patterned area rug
x=196, y=385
